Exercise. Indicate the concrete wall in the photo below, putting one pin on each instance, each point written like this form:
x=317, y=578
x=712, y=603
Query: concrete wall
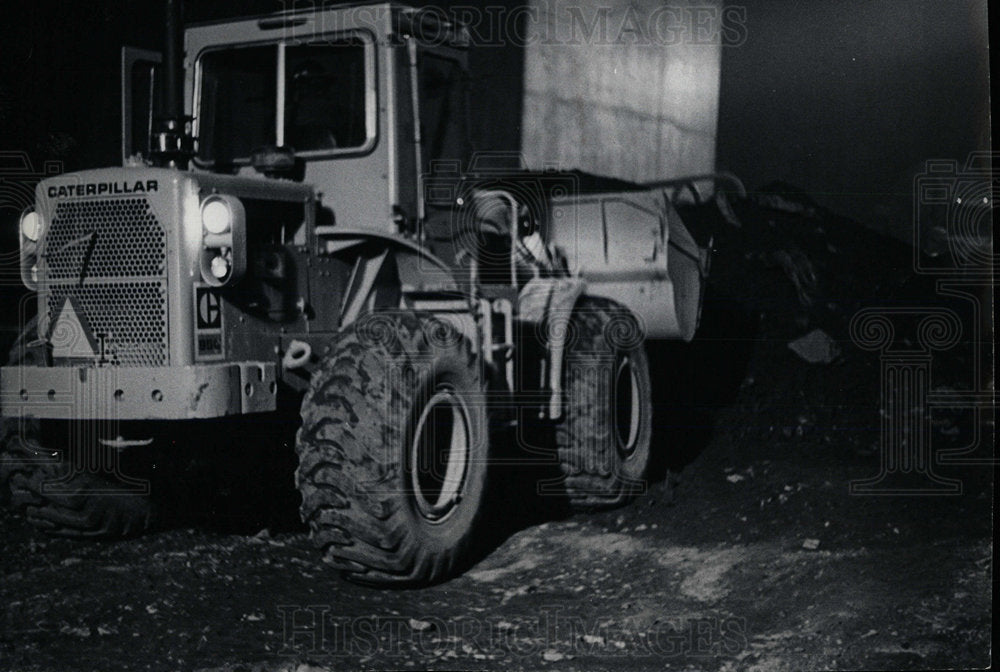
x=628, y=89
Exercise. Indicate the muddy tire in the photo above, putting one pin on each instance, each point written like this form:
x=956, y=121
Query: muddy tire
x=61, y=499
x=603, y=439
x=393, y=451
x=58, y=490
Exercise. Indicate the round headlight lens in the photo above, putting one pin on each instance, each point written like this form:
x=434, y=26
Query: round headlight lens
x=220, y=267
x=31, y=226
x=216, y=217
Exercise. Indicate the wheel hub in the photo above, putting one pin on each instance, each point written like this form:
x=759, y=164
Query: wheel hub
x=626, y=410
x=439, y=455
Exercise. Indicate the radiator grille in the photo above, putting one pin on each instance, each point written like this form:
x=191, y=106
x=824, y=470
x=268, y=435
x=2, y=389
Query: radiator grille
x=107, y=238
x=109, y=256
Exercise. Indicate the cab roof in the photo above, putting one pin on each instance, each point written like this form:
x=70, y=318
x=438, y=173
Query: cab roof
x=406, y=19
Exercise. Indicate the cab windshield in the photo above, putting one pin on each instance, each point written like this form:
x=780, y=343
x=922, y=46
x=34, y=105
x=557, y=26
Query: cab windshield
x=324, y=87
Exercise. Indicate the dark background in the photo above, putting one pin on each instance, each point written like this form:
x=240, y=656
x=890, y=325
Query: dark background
x=847, y=100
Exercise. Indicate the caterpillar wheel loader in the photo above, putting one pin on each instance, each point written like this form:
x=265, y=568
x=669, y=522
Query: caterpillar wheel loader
x=299, y=222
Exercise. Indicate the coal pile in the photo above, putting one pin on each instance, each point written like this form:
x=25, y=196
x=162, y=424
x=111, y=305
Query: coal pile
x=787, y=278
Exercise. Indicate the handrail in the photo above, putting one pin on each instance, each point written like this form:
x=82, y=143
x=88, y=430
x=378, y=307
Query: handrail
x=691, y=181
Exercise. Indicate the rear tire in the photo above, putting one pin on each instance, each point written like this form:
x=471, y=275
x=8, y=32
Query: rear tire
x=603, y=440
x=393, y=451
x=62, y=493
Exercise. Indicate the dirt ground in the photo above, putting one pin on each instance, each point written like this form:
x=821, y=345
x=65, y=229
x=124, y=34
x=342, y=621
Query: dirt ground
x=755, y=556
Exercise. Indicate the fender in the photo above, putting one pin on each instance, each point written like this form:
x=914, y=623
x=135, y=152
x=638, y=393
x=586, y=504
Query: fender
x=426, y=282
x=333, y=239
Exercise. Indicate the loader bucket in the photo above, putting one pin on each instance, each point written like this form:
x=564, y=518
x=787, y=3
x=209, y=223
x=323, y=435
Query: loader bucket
x=633, y=248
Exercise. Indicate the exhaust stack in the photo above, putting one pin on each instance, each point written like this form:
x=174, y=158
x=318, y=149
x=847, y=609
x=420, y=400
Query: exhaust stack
x=172, y=143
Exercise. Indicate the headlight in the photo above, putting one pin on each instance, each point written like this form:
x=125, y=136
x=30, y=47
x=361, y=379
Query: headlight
x=216, y=216
x=220, y=267
x=222, y=259
x=31, y=225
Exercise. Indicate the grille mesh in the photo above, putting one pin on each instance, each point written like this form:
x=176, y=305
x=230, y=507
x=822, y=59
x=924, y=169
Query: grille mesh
x=131, y=315
x=124, y=233
x=109, y=255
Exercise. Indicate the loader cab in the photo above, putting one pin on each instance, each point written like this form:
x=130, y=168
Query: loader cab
x=368, y=96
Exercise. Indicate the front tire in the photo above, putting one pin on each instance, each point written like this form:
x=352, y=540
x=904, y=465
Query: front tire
x=393, y=451
x=58, y=495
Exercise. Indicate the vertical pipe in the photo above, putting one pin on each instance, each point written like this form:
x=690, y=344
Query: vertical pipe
x=173, y=61
x=279, y=131
x=150, y=112
x=172, y=145
x=411, y=50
